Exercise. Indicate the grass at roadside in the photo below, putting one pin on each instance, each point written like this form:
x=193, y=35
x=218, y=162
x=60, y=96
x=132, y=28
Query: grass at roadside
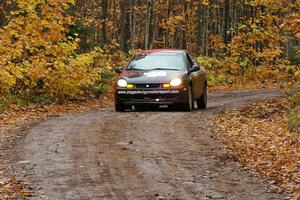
x=258, y=136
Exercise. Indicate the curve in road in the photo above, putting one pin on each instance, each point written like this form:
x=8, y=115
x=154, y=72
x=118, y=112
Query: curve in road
x=102, y=154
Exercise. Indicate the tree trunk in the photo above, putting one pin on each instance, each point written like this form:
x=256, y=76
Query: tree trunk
x=148, y=24
x=104, y=21
x=125, y=33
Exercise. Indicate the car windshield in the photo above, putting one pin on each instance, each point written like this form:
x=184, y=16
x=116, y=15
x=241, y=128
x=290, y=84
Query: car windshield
x=157, y=61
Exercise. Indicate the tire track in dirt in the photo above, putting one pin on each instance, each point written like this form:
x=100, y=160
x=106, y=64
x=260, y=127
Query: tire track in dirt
x=101, y=154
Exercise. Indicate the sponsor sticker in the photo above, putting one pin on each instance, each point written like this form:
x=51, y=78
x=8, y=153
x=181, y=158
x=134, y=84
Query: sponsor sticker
x=155, y=74
x=133, y=92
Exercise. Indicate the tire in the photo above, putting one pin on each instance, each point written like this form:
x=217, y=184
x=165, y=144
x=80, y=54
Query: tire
x=120, y=107
x=189, y=105
x=202, y=101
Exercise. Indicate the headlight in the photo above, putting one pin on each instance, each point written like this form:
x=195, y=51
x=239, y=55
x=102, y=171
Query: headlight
x=122, y=83
x=176, y=82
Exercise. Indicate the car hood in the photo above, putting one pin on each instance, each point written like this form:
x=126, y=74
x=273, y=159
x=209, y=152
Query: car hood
x=151, y=77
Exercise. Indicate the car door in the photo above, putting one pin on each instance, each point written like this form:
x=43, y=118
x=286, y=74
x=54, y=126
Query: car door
x=197, y=77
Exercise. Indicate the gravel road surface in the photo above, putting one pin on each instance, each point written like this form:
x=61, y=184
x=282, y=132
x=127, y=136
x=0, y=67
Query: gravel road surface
x=162, y=154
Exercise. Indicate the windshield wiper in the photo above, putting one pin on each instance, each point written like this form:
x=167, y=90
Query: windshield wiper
x=134, y=69
x=160, y=68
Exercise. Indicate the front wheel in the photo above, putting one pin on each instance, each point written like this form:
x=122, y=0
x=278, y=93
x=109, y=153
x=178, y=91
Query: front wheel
x=189, y=105
x=202, y=101
x=119, y=107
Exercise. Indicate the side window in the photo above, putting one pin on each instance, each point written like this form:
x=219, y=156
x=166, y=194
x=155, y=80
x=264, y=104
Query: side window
x=190, y=61
x=193, y=60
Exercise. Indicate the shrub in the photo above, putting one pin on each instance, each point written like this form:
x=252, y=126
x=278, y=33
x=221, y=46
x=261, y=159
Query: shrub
x=218, y=71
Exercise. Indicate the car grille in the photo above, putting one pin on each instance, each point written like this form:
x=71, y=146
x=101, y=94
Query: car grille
x=147, y=85
x=153, y=96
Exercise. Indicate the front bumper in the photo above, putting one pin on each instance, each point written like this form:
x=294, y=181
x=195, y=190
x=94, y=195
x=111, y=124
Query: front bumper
x=156, y=96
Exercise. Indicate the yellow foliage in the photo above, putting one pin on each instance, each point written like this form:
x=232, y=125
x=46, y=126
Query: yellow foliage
x=36, y=56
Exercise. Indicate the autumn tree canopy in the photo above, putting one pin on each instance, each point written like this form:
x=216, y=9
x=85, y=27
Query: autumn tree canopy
x=245, y=34
x=37, y=55
x=48, y=47
x=199, y=26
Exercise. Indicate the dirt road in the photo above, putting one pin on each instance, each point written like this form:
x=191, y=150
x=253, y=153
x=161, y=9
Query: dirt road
x=102, y=154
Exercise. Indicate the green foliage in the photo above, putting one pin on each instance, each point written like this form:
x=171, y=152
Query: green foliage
x=210, y=63
x=297, y=74
x=294, y=55
x=42, y=99
x=2, y=103
x=218, y=72
x=294, y=118
x=245, y=64
x=105, y=84
x=83, y=31
x=294, y=93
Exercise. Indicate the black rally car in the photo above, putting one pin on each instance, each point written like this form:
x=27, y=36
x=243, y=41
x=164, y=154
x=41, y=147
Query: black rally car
x=161, y=77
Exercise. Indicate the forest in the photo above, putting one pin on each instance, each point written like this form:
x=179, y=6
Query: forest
x=64, y=49
x=58, y=57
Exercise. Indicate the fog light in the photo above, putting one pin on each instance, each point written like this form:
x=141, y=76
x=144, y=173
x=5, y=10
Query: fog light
x=166, y=85
x=129, y=85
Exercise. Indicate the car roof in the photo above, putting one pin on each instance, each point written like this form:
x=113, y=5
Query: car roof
x=160, y=51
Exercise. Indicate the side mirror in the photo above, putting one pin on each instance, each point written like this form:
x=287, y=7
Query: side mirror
x=118, y=70
x=195, y=68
